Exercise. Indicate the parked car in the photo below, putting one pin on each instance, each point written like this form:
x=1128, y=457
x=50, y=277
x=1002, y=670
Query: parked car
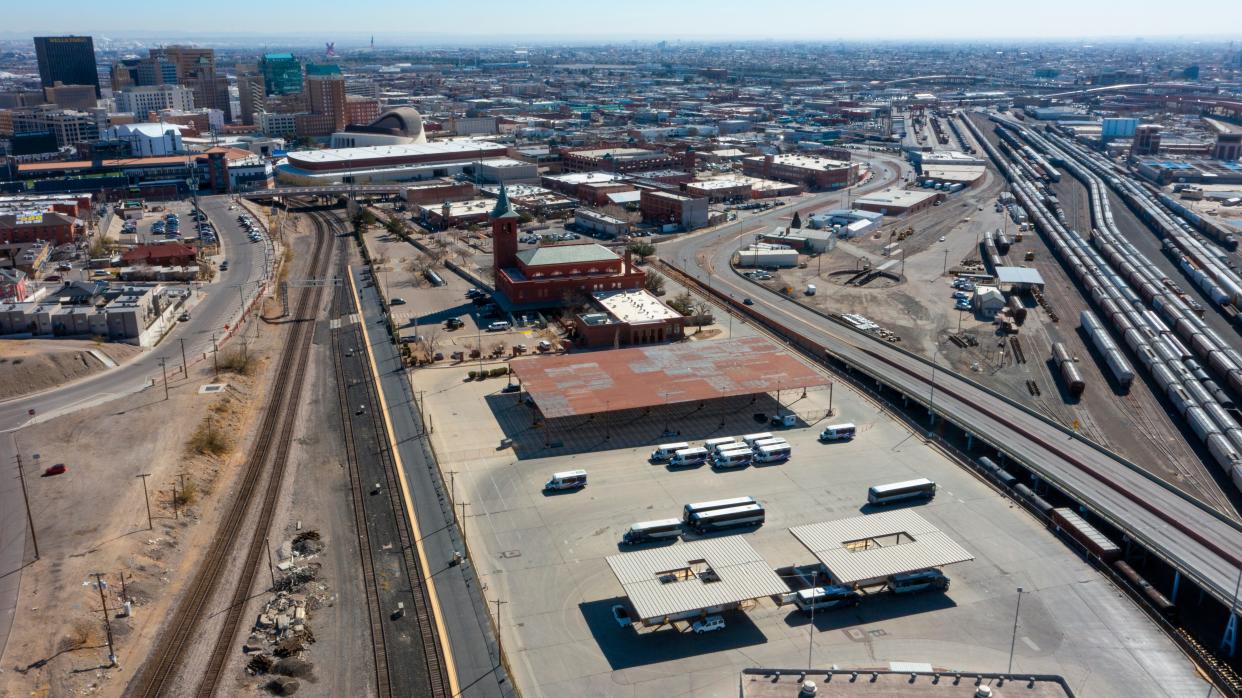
x=184, y=317
x=397, y=301
x=499, y=326
x=621, y=615
x=708, y=624
x=58, y=469
x=747, y=301
x=53, y=277
x=453, y=324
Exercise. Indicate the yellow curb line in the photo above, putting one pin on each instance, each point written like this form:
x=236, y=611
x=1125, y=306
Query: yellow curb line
x=409, y=503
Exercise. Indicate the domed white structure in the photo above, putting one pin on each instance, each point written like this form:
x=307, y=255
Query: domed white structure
x=399, y=126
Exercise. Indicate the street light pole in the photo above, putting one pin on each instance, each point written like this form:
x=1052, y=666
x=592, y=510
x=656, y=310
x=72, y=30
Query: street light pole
x=1014, y=640
x=146, y=499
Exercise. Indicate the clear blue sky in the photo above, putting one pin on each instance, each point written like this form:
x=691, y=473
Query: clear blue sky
x=829, y=20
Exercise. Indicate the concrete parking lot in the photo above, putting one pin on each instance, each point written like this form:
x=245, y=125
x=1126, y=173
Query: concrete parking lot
x=544, y=556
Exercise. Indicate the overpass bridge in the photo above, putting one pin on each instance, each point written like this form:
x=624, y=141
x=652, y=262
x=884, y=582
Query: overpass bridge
x=328, y=190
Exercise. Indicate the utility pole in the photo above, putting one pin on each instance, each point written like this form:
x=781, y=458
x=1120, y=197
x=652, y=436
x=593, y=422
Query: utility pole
x=164, y=369
x=146, y=499
x=21, y=475
x=100, y=584
x=500, y=652
x=271, y=568
x=452, y=489
x=185, y=365
x=176, y=514
x=461, y=526
x=215, y=362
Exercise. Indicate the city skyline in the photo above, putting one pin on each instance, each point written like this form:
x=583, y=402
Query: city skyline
x=545, y=20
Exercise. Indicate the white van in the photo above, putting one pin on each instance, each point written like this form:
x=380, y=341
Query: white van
x=568, y=480
x=689, y=456
x=750, y=439
x=715, y=445
x=499, y=326
x=733, y=457
x=771, y=441
x=833, y=432
x=665, y=451
x=772, y=453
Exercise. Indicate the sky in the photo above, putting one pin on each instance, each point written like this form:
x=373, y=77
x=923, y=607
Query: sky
x=403, y=21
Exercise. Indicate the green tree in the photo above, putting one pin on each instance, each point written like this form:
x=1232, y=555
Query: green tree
x=643, y=249
x=683, y=303
x=797, y=221
x=654, y=283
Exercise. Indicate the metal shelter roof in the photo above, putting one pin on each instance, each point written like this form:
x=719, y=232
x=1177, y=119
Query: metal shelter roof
x=662, y=374
x=737, y=574
x=874, y=546
x=1019, y=275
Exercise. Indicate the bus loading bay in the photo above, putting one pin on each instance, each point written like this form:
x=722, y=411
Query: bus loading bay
x=543, y=557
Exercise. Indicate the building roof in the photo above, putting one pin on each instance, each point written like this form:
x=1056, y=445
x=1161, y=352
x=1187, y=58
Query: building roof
x=158, y=250
x=737, y=574
x=662, y=374
x=35, y=218
x=634, y=306
x=1019, y=275
x=873, y=546
x=566, y=254
x=448, y=149
x=896, y=197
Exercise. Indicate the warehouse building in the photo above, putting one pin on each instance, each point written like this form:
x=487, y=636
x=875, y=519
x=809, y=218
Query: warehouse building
x=810, y=171
x=898, y=202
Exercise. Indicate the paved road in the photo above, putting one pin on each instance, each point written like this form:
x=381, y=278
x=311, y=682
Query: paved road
x=219, y=305
x=461, y=601
x=1119, y=492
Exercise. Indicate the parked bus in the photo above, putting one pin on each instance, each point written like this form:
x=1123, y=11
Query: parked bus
x=733, y=457
x=921, y=580
x=771, y=441
x=745, y=515
x=826, y=598
x=647, y=531
x=568, y=480
x=896, y=491
x=697, y=507
x=836, y=432
x=714, y=445
x=665, y=451
x=689, y=456
x=750, y=439
x=772, y=453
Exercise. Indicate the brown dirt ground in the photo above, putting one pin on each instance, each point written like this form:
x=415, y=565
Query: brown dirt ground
x=33, y=365
x=93, y=519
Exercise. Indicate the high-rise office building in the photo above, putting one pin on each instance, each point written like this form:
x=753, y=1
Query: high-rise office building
x=282, y=73
x=325, y=95
x=250, y=95
x=196, y=69
x=67, y=59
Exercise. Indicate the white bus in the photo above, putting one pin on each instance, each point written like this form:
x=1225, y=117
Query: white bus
x=745, y=515
x=921, y=580
x=646, y=531
x=568, y=480
x=772, y=453
x=770, y=441
x=750, y=439
x=689, y=456
x=714, y=445
x=825, y=598
x=835, y=432
x=665, y=451
x=896, y=491
x=694, y=507
x=733, y=457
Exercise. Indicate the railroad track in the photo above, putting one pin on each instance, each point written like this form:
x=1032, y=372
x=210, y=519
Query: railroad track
x=274, y=435
x=438, y=685
x=383, y=682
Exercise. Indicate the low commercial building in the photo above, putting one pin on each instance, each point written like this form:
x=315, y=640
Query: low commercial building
x=161, y=254
x=507, y=171
x=806, y=240
x=988, y=301
x=627, y=317
x=669, y=209
x=898, y=202
x=768, y=257
x=618, y=160
x=721, y=189
x=455, y=213
x=47, y=226
x=811, y=171
x=601, y=223
x=438, y=191
x=591, y=188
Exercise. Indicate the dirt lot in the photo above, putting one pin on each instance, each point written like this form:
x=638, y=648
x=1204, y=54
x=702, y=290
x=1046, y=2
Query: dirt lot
x=33, y=365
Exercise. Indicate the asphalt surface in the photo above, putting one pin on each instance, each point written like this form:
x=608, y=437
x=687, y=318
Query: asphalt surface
x=218, y=306
x=1118, y=491
x=470, y=635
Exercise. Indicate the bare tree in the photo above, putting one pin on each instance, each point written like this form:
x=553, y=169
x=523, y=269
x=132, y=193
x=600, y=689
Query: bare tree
x=702, y=311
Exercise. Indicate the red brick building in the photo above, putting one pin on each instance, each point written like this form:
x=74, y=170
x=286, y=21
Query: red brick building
x=56, y=228
x=164, y=254
x=14, y=284
x=811, y=171
x=546, y=275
